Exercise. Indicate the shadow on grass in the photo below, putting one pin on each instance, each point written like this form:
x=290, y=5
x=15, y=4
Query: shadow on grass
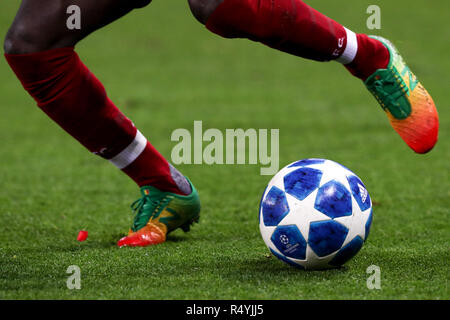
x=268, y=267
x=100, y=241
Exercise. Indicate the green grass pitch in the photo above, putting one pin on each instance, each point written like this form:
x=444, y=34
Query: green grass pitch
x=164, y=70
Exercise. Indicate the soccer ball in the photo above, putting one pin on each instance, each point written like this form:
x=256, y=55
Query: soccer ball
x=315, y=214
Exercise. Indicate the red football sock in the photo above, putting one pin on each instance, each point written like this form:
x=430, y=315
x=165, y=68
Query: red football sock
x=372, y=55
x=73, y=97
x=294, y=27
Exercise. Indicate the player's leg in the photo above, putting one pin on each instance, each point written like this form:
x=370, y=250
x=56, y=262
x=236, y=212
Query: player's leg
x=296, y=28
x=40, y=49
x=42, y=25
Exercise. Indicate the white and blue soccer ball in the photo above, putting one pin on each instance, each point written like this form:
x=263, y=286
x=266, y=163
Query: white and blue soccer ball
x=315, y=214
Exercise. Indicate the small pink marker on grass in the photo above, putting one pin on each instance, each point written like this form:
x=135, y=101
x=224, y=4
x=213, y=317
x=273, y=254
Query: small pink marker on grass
x=82, y=235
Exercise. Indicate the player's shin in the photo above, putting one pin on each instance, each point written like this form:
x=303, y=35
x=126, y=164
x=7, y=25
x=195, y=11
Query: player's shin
x=73, y=97
x=294, y=27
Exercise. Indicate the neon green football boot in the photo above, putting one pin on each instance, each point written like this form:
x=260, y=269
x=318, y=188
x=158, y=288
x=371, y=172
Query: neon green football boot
x=158, y=213
x=408, y=105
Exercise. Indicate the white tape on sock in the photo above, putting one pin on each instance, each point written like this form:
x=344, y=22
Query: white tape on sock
x=350, y=50
x=130, y=153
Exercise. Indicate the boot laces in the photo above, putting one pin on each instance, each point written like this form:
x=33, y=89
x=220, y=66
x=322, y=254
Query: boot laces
x=146, y=209
x=398, y=89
